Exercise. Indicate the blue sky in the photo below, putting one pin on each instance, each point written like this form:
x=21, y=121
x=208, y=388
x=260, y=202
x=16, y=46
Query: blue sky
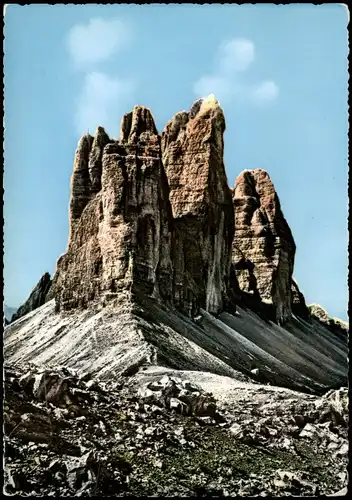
x=279, y=71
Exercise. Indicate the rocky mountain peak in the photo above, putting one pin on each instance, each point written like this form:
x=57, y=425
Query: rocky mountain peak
x=150, y=215
x=100, y=140
x=37, y=297
x=154, y=214
x=162, y=340
x=120, y=232
x=138, y=125
x=192, y=153
x=263, y=247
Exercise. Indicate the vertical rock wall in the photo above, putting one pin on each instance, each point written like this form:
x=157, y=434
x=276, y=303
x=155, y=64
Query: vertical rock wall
x=192, y=152
x=155, y=215
x=263, y=247
x=120, y=218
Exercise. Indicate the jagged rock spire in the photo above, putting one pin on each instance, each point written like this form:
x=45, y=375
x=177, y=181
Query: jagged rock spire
x=192, y=147
x=37, y=297
x=120, y=218
x=155, y=215
x=263, y=248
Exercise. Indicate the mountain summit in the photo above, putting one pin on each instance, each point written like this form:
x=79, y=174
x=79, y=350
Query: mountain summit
x=168, y=266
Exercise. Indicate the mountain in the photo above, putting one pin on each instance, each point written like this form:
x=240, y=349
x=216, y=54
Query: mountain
x=9, y=311
x=173, y=353
x=36, y=298
x=168, y=266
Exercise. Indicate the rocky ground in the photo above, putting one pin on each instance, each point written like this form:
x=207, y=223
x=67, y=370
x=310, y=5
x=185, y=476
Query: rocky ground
x=70, y=435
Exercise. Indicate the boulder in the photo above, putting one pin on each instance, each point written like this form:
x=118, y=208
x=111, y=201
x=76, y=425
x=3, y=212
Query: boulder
x=179, y=395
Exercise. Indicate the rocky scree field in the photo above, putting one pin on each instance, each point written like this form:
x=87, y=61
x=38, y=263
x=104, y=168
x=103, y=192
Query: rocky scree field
x=70, y=435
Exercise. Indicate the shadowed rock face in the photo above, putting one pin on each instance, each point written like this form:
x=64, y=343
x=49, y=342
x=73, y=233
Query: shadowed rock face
x=299, y=306
x=80, y=181
x=192, y=152
x=87, y=172
x=120, y=218
x=263, y=247
x=95, y=167
x=37, y=297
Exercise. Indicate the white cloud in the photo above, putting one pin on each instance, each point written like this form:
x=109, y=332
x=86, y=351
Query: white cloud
x=217, y=85
x=103, y=101
x=265, y=92
x=96, y=41
x=103, y=98
x=235, y=55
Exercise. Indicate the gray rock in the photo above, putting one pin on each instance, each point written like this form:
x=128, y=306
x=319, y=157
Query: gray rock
x=343, y=451
x=340, y=493
x=36, y=299
x=309, y=431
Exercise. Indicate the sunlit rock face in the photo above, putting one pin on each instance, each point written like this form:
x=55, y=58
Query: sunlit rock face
x=192, y=153
x=137, y=227
x=120, y=218
x=263, y=246
x=336, y=325
x=154, y=214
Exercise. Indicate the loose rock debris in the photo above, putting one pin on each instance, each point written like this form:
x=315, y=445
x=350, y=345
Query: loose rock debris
x=71, y=435
x=180, y=395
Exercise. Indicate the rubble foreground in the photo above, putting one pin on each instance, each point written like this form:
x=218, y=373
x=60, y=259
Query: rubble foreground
x=74, y=435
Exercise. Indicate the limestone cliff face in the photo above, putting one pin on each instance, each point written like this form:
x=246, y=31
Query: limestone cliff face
x=154, y=215
x=120, y=218
x=135, y=227
x=37, y=297
x=192, y=152
x=263, y=247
